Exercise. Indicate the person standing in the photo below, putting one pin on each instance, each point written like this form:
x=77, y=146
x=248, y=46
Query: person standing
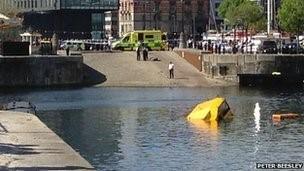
x=171, y=70
x=67, y=51
x=145, y=53
x=138, y=53
x=110, y=44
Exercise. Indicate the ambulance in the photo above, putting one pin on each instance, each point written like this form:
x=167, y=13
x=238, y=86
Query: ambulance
x=152, y=39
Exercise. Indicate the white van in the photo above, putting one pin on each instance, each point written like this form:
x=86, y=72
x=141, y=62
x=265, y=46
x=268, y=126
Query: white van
x=73, y=44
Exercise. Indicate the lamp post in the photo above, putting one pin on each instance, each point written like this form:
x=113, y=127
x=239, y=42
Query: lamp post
x=268, y=17
x=194, y=31
x=144, y=15
x=156, y=15
x=182, y=36
x=174, y=22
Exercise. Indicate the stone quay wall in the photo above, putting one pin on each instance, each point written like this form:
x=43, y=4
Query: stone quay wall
x=37, y=71
x=231, y=66
x=194, y=57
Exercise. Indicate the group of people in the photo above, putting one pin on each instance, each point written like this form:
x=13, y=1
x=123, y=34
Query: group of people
x=142, y=50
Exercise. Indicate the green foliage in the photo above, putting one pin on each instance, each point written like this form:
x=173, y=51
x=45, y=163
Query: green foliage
x=249, y=13
x=227, y=6
x=242, y=12
x=260, y=25
x=10, y=34
x=291, y=16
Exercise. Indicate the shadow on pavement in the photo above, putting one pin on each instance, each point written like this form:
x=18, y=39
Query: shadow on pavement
x=17, y=149
x=91, y=76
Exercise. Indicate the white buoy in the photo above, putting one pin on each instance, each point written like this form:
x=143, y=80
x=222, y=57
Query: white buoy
x=257, y=116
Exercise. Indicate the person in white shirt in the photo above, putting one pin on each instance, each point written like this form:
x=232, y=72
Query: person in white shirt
x=110, y=45
x=171, y=70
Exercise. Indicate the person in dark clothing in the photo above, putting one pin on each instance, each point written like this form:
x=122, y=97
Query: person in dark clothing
x=138, y=53
x=145, y=54
x=219, y=49
x=67, y=50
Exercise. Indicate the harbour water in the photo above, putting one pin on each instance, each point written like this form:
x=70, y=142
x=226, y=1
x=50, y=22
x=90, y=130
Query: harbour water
x=146, y=128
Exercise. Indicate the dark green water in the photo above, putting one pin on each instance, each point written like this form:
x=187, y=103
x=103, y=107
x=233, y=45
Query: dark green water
x=145, y=128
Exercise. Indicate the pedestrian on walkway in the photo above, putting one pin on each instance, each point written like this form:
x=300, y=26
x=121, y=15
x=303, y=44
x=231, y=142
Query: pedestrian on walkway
x=145, y=53
x=171, y=70
x=138, y=52
x=67, y=51
x=110, y=44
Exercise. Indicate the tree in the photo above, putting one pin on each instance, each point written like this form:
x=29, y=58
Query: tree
x=227, y=6
x=10, y=33
x=249, y=14
x=291, y=17
x=227, y=10
x=242, y=12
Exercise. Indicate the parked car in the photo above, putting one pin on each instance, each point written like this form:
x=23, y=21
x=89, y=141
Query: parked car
x=268, y=46
x=291, y=48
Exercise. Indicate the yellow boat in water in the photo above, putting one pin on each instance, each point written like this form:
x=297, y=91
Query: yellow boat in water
x=211, y=110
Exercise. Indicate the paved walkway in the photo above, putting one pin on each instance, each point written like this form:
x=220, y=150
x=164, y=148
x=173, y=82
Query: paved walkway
x=27, y=144
x=122, y=69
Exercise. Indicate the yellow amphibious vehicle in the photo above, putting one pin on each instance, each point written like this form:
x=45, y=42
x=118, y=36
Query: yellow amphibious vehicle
x=216, y=109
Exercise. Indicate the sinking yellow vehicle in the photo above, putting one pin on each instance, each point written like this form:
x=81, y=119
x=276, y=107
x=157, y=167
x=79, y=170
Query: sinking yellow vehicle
x=216, y=109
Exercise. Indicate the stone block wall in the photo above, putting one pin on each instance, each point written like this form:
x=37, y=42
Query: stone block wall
x=230, y=66
x=194, y=57
x=40, y=71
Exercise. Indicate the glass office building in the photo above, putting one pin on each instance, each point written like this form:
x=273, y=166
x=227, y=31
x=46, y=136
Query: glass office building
x=89, y=4
x=71, y=19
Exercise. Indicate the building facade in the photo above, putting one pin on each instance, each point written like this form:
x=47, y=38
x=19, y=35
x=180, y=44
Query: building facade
x=111, y=24
x=215, y=21
x=7, y=6
x=79, y=19
x=171, y=16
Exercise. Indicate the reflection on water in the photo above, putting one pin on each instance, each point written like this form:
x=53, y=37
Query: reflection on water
x=210, y=128
x=145, y=128
x=257, y=117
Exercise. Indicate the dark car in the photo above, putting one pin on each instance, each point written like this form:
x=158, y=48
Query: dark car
x=269, y=46
x=291, y=48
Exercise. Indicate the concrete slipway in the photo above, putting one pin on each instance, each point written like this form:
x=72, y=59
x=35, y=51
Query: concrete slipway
x=28, y=144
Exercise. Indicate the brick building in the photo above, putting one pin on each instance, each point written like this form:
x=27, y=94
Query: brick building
x=171, y=16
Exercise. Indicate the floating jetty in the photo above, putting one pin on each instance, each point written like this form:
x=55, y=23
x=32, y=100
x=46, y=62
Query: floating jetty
x=285, y=116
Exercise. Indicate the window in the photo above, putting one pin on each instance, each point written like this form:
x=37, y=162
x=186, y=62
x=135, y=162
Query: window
x=92, y=4
x=149, y=36
x=140, y=36
x=126, y=39
x=122, y=28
